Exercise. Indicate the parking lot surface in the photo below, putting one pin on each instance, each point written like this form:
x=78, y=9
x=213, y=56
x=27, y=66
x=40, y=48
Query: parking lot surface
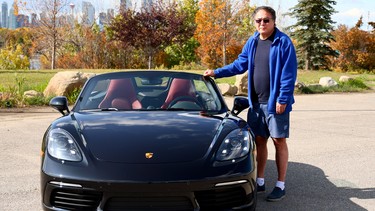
x=331, y=154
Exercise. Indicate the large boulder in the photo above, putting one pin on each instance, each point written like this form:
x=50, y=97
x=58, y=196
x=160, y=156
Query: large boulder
x=63, y=83
x=299, y=85
x=227, y=89
x=32, y=94
x=327, y=82
x=241, y=84
x=345, y=78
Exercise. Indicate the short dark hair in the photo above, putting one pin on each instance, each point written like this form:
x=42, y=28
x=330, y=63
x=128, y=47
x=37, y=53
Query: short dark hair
x=267, y=9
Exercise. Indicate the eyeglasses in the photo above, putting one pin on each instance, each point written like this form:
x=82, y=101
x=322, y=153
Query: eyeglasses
x=265, y=20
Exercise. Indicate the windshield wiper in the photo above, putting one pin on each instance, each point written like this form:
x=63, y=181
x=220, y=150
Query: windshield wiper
x=99, y=109
x=109, y=109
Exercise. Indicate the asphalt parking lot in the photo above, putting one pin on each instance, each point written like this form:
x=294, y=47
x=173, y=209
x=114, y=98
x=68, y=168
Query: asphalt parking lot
x=331, y=146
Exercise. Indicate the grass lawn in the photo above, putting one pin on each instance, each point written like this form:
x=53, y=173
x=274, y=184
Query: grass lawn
x=16, y=82
x=38, y=79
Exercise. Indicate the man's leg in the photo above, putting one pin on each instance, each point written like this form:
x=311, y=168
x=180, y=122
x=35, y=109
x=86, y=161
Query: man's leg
x=262, y=155
x=282, y=154
x=281, y=157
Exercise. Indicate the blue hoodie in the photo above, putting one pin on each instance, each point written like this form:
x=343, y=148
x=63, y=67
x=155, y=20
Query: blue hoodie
x=282, y=65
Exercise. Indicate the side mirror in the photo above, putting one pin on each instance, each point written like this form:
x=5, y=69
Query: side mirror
x=239, y=104
x=60, y=103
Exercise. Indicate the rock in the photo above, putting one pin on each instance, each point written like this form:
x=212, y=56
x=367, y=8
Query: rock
x=345, y=78
x=314, y=86
x=63, y=83
x=32, y=93
x=241, y=84
x=327, y=82
x=227, y=89
x=299, y=85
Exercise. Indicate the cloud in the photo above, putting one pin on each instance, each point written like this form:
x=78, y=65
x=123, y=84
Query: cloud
x=354, y=13
x=350, y=17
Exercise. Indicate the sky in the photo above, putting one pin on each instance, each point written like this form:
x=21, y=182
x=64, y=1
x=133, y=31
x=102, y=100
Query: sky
x=348, y=11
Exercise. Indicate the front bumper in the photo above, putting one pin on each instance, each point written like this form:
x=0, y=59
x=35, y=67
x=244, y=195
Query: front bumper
x=231, y=193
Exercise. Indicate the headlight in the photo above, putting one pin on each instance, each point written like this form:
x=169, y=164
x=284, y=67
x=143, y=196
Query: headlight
x=61, y=145
x=235, y=145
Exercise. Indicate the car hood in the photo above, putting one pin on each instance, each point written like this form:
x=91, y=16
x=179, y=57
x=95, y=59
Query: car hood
x=148, y=137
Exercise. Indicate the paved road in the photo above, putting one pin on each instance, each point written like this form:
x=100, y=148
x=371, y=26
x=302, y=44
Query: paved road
x=331, y=148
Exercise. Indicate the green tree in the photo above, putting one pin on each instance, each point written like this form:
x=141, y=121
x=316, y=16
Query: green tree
x=15, y=46
x=13, y=59
x=183, y=51
x=312, y=31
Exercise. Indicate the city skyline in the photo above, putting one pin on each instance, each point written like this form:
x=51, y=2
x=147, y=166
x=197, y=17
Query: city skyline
x=84, y=12
x=348, y=12
x=99, y=5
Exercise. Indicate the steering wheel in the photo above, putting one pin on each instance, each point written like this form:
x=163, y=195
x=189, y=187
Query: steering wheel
x=185, y=98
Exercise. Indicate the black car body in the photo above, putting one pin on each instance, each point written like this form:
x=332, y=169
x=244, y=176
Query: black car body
x=148, y=140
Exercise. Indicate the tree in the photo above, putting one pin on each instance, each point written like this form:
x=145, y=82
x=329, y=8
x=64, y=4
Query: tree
x=151, y=30
x=16, y=43
x=51, y=26
x=354, y=53
x=221, y=25
x=183, y=50
x=84, y=47
x=13, y=59
x=312, y=32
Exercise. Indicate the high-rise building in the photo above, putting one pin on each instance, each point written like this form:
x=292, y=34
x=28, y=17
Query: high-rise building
x=4, y=15
x=146, y=4
x=110, y=13
x=22, y=21
x=88, y=13
x=126, y=4
x=71, y=17
x=103, y=19
x=34, y=19
x=136, y=4
x=12, y=18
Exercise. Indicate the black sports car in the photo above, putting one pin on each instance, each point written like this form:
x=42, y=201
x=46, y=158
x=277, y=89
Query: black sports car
x=148, y=140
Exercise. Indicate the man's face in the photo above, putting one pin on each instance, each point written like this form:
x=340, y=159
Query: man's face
x=264, y=23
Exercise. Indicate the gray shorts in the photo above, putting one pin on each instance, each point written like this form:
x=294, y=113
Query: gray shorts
x=265, y=125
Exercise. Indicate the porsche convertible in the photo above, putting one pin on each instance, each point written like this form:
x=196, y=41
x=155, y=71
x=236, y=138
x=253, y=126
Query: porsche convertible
x=148, y=140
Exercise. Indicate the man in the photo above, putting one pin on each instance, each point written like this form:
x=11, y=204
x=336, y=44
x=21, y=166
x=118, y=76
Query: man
x=270, y=58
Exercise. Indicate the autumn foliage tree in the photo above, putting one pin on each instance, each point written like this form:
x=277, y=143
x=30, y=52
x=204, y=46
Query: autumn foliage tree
x=14, y=45
x=84, y=47
x=151, y=30
x=218, y=25
x=50, y=27
x=356, y=48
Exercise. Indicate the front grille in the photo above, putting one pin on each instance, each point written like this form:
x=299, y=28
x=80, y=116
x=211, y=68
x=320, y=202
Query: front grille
x=221, y=198
x=75, y=199
x=149, y=203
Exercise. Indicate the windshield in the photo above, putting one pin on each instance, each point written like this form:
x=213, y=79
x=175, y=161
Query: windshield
x=150, y=90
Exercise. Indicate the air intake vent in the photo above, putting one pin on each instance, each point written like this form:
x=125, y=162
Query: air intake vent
x=75, y=199
x=149, y=203
x=221, y=198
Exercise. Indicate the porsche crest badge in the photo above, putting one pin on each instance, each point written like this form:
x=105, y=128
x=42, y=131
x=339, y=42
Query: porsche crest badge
x=149, y=155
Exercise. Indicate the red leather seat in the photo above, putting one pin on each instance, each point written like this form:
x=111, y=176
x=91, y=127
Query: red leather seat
x=121, y=95
x=179, y=87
